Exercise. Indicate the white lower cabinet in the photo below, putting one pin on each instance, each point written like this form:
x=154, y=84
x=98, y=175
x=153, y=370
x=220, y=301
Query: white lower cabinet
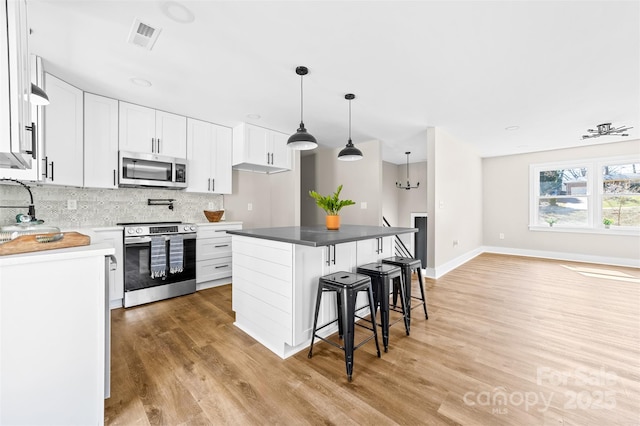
x=275, y=286
x=113, y=237
x=53, y=340
x=374, y=250
x=213, y=254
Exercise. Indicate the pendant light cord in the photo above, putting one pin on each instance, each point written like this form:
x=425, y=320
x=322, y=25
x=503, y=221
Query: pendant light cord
x=349, y=120
x=301, y=98
x=407, y=169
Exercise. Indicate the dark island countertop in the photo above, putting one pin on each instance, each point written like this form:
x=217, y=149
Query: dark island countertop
x=317, y=236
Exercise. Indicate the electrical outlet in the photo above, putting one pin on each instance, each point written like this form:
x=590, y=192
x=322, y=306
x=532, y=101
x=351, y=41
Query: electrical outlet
x=250, y=206
x=501, y=236
x=72, y=204
x=363, y=205
x=211, y=206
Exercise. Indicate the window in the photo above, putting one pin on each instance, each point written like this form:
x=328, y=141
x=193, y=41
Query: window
x=621, y=194
x=586, y=194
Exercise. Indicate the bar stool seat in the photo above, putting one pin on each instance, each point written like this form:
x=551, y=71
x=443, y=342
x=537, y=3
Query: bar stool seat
x=407, y=264
x=382, y=275
x=347, y=285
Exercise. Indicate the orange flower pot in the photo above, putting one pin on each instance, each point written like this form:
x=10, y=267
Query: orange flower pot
x=333, y=222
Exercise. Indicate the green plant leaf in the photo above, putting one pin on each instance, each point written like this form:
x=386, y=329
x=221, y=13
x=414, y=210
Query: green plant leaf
x=331, y=204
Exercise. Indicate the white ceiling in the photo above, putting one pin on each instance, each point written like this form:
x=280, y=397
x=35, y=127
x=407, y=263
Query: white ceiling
x=472, y=68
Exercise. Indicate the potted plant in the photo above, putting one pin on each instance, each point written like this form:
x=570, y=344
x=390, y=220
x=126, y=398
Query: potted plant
x=551, y=220
x=331, y=204
x=607, y=222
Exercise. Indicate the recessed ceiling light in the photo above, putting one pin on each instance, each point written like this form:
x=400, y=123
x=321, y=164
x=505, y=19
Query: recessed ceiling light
x=253, y=116
x=177, y=12
x=512, y=128
x=140, y=82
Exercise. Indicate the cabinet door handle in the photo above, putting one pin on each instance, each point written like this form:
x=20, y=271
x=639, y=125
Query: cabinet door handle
x=328, y=255
x=34, y=144
x=213, y=184
x=334, y=254
x=52, y=171
x=221, y=266
x=221, y=245
x=46, y=167
x=158, y=144
x=267, y=158
x=153, y=145
x=209, y=184
x=114, y=177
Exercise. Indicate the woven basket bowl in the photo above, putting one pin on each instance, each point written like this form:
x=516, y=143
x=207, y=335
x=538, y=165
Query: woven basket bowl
x=214, y=216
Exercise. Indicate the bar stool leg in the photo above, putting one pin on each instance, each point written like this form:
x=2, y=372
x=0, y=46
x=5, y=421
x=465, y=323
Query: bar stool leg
x=405, y=308
x=406, y=277
x=383, y=299
x=315, y=320
x=424, y=299
x=339, y=312
x=348, y=312
x=373, y=319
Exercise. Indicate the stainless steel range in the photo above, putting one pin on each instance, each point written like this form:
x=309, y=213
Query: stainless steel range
x=159, y=261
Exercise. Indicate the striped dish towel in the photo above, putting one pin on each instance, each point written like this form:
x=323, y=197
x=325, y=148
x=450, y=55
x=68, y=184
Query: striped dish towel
x=158, y=257
x=176, y=254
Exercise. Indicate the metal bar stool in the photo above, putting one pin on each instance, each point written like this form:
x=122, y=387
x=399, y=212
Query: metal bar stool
x=347, y=285
x=407, y=264
x=382, y=276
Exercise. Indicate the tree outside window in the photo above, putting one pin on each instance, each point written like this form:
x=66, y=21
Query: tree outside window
x=563, y=197
x=621, y=194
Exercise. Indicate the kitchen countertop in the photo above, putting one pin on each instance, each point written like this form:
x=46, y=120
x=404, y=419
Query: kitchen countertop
x=317, y=236
x=57, y=254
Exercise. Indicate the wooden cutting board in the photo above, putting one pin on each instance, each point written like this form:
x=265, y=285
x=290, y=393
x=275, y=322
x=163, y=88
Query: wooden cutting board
x=30, y=243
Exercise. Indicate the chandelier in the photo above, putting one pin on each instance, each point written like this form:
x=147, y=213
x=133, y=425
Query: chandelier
x=408, y=185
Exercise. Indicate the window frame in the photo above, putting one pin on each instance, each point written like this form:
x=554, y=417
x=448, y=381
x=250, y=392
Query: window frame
x=595, y=194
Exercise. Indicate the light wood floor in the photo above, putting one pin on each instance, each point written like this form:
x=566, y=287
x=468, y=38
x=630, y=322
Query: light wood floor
x=510, y=340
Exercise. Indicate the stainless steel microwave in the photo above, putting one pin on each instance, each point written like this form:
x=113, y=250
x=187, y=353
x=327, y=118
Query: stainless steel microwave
x=141, y=169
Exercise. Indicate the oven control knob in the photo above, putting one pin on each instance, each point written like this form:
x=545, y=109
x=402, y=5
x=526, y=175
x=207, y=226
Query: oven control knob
x=138, y=230
x=186, y=227
x=192, y=227
x=130, y=230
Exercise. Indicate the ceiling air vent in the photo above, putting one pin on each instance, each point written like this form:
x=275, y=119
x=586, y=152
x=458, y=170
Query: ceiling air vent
x=143, y=35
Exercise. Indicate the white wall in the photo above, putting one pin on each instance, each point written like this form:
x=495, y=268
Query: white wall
x=458, y=200
x=361, y=180
x=506, y=209
x=275, y=198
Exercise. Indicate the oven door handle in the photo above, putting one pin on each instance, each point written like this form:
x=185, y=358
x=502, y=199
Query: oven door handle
x=136, y=240
x=144, y=240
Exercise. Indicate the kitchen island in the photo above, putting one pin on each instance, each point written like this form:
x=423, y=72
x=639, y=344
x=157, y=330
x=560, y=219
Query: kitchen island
x=276, y=271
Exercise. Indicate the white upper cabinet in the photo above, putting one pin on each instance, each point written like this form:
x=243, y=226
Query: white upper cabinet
x=151, y=131
x=63, y=161
x=209, y=154
x=15, y=87
x=100, y=141
x=36, y=132
x=260, y=150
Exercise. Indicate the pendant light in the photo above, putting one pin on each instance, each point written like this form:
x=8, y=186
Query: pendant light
x=301, y=140
x=408, y=185
x=38, y=96
x=350, y=152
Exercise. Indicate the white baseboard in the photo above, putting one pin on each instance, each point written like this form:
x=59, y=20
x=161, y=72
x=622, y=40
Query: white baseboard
x=575, y=257
x=449, y=266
